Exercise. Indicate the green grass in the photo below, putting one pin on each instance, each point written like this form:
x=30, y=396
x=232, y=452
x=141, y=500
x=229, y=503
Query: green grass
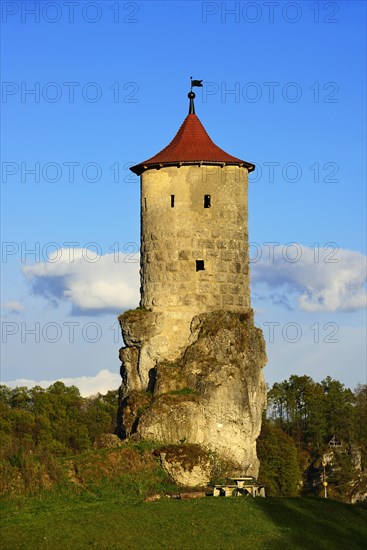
x=112, y=519
x=183, y=391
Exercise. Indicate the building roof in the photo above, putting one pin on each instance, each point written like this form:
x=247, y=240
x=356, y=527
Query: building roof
x=191, y=145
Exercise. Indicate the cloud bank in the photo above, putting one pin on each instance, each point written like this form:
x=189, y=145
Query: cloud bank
x=312, y=279
x=91, y=283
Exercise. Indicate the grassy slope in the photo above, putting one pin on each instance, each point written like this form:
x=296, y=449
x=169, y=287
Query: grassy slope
x=109, y=519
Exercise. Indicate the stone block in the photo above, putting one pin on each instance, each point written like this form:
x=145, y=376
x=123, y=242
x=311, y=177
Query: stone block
x=202, y=298
x=240, y=300
x=222, y=267
x=236, y=268
x=204, y=287
x=172, y=266
x=160, y=256
x=232, y=244
x=181, y=276
x=212, y=254
x=184, y=255
x=206, y=243
x=183, y=234
x=228, y=300
x=226, y=256
x=221, y=277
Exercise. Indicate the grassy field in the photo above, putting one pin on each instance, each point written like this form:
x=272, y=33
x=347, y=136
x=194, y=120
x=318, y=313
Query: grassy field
x=109, y=519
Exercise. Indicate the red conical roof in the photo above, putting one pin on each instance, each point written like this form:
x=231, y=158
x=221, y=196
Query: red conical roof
x=191, y=145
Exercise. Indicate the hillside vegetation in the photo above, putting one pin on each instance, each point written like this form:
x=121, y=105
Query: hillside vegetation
x=310, y=423
x=46, y=435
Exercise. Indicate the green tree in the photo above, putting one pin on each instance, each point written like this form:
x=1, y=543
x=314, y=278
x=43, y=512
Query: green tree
x=297, y=406
x=339, y=410
x=279, y=469
x=360, y=419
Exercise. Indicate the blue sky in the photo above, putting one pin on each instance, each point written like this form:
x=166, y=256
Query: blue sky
x=284, y=87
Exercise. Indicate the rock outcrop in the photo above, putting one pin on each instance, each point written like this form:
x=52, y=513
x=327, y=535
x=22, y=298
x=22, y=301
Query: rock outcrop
x=212, y=395
x=344, y=471
x=188, y=465
x=107, y=441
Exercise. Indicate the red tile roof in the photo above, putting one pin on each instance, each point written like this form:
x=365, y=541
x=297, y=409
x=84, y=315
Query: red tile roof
x=191, y=145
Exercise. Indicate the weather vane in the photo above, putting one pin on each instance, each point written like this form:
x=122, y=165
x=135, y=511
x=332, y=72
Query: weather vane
x=191, y=95
x=197, y=83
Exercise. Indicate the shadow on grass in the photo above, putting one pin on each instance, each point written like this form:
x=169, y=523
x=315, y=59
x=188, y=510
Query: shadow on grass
x=316, y=523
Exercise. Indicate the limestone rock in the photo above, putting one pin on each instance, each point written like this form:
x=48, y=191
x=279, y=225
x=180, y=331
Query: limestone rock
x=131, y=410
x=188, y=465
x=153, y=498
x=212, y=395
x=138, y=326
x=150, y=337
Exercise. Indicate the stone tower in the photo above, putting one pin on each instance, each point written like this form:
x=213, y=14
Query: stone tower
x=194, y=271
x=194, y=230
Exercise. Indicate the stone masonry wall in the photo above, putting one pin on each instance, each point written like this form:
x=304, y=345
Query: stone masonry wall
x=173, y=238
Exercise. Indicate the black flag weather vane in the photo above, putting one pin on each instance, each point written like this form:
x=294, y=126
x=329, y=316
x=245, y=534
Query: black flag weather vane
x=191, y=95
x=197, y=83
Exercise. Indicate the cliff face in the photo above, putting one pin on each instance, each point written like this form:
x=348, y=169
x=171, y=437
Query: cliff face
x=212, y=395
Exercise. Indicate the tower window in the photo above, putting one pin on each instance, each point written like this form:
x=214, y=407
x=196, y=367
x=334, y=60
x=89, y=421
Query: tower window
x=200, y=265
x=172, y=201
x=207, y=201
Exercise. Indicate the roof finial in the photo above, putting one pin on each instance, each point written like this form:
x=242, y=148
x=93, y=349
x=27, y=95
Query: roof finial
x=191, y=94
x=191, y=97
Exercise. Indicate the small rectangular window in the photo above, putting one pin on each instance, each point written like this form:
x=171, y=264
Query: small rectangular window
x=200, y=265
x=207, y=201
x=172, y=201
x=145, y=203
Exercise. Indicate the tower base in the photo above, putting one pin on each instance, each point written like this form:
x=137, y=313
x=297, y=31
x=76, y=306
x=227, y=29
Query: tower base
x=211, y=395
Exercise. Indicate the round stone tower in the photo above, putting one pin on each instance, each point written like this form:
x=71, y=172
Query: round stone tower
x=194, y=226
x=192, y=362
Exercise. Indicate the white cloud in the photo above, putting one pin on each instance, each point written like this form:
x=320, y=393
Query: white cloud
x=102, y=382
x=319, y=280
x=14, y=306
x=91, y=283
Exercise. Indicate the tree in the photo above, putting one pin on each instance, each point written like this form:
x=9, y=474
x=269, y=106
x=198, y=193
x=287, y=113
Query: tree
x=360, y=418
x=339, y=409
x=279, y=470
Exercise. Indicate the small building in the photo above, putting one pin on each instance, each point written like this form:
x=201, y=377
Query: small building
x=334, y=442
